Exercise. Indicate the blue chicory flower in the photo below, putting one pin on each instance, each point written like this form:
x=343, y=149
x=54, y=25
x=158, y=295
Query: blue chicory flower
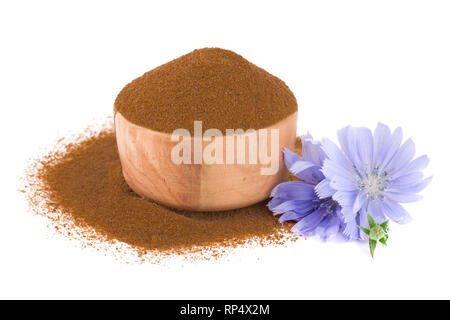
x=373, y=174
x=298, y=201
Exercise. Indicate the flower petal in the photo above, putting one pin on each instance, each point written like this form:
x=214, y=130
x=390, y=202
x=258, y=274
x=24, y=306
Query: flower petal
x=345, y=198
x=348, y=214
x=362, y=219
x=323, y=189
x=420, y=186
x=404, y=155
x=306, y=225
x=396, y=212
x=302, y=169
x=333, y=153
x=347, y=139
x=275, y=202
x=294, y=190
x=328, y=228
x=396, y=140
x=413, y=187
x=332, y=229
x=312, y=150
x=290, y=157
x=382, y=141
x=360, y=199
x=300, y=206
x=289, y=216
x=364, y=147
x=417, y=164
x=332, y=169
x=342, y=184
x=351, y=230
x=376, y=209
x=357, y=144
x=320, y=230
x=406, y=180
x=300, y=166
x=403, y=197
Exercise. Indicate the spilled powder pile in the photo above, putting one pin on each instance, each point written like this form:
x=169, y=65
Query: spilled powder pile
x=80, y=188
x=216, y=86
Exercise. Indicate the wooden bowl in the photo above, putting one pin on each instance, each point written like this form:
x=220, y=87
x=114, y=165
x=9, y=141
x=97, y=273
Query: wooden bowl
x=147, y=167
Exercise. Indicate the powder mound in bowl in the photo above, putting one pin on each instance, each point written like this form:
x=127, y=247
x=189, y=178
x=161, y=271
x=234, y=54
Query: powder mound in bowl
x=79, y=186
x=216, y=86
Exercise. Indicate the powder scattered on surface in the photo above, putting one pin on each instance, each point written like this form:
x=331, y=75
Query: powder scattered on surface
x=216, y=86
x=80, y=187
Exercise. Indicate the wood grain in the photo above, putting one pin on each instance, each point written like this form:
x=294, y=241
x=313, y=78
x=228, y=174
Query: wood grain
x=147, y=167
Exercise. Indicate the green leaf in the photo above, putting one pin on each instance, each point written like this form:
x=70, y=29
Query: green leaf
x=372, y=246
x=372, y=222
x=383, y=241
x=385, y=226
x=366, y=231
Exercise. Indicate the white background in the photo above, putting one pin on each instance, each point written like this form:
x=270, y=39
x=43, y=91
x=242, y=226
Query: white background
x=348, y=62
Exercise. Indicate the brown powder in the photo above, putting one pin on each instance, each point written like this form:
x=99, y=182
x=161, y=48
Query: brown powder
x=80, y=187
x=216, y=86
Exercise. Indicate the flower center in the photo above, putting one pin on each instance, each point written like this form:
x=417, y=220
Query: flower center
x=374, y=184
x=328, y=203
